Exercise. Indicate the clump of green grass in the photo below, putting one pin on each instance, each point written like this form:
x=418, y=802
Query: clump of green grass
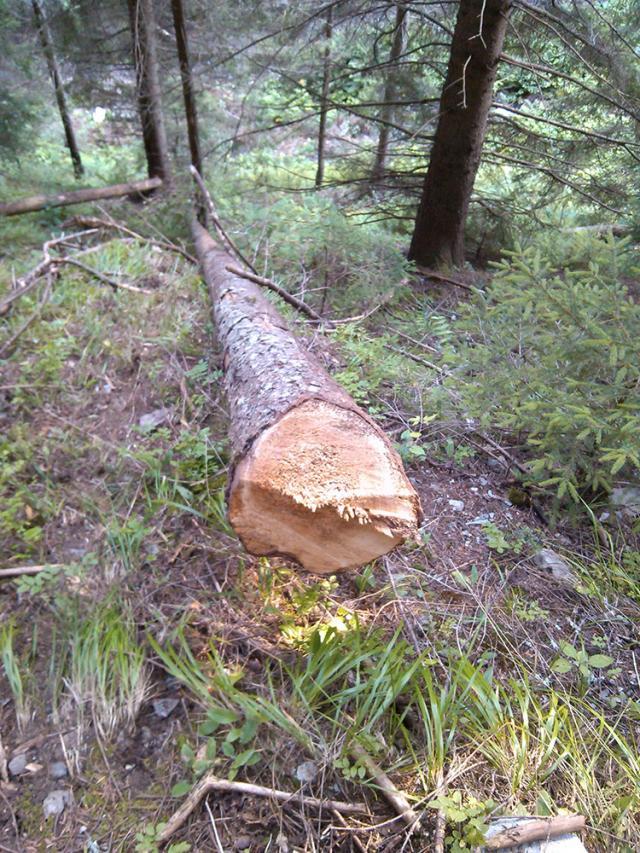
x=105, y=674
x=13, y=667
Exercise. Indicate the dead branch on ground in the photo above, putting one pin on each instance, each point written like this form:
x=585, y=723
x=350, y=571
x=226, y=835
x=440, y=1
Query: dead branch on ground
x=211, y=783
x=540, y=829
x=40, y=202
x=296, y=303
x=394, y=797
x=18, y=571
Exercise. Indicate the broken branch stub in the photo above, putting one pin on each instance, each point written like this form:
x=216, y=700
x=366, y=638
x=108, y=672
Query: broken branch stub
x=313, y=477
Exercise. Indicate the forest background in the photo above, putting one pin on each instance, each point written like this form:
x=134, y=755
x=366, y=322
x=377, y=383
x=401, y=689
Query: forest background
x=453, y=188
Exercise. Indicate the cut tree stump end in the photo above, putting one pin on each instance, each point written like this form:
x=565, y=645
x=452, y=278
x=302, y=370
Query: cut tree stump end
x=323, y=487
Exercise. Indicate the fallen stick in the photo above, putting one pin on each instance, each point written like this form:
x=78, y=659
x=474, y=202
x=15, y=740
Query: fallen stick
x=211, y=783
x=28, y=570
x=31, y=279
x=96, y=223
x=283, y=294
x=39, y=202
x=393, y=796
x=437, y=276
x=7, y=347
x=441, y=818
x=226, y=239
x=354, y=838
x=101, y=277
x=537, y=829
x=4, y=773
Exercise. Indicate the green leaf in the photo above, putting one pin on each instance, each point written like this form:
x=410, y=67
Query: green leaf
x=561, y=665
x=568, y=650
x=600, y=661
x=186, y=753
x=181, y=788
x=221, y=716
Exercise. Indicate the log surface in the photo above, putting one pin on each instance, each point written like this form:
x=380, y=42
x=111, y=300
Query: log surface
x=40, y=202
x=313, y=477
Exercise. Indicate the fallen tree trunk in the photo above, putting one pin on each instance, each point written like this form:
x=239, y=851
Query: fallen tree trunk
x=39, y=202
x=313, y=478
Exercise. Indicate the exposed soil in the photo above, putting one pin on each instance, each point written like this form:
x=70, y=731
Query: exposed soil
x=186, y=566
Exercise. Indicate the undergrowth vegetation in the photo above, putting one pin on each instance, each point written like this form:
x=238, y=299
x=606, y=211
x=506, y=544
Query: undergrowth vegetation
x=478, y=687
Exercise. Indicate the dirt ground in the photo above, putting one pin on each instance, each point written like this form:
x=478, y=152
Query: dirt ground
x=87, y=466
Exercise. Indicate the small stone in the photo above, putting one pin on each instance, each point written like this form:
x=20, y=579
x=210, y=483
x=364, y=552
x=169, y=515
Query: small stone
x=626, y=500
x=18, y=765
x=152, y=420
x=306, y=772
x=55, y=803
x=242, y=843
x=58, y=770
x=456, y=506
x=163, y=707
x=550, y=561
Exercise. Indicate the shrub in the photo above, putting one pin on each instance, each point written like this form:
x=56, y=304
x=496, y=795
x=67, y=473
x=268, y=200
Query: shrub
x=550, y=353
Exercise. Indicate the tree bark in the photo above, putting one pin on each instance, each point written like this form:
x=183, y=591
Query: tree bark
x=54, y=73
x=324, y=97
x=313, y=478
x=143, y=34
x=528, y=830
x=39, y=202
x=390, y=88
x=189, y=97
x=438, y=237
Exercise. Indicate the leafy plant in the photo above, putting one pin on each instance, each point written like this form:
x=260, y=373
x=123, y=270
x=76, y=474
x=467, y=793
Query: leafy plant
x=581, y=662
x=468, y=814
x=148, y=840
x=547, y=353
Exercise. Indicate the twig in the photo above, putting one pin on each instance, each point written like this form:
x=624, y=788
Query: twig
x=214, y=827
x=210, y=783
x=354, y=838
x=4, y=773
x=28, y=570
x=539, y=829
x=441, y=818
x=30, y=279
x=226, y=239
x=437, y=276
x=418, y=359
x=394, y=797
x=266, y=282
x=8, y=345
x=96, y=223
x=101, y=277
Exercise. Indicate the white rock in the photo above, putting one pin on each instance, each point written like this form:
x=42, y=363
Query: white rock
x=550, y=561
x=626, y=500
x=18, y=765
x=163, y=707
x=307, y=771
x=55, y=803
x=152, y=420
x=456, y=506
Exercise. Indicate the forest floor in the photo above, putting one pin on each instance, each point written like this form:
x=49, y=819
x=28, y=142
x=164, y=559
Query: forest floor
x=154, y=649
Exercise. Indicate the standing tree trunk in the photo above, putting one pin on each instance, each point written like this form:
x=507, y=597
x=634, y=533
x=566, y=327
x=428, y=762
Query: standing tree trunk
x=438, y=237
x=390, y=89
x=54, y=73
x=312, y=476
x=324, y=97
x=143, y=34
x=189, y=96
